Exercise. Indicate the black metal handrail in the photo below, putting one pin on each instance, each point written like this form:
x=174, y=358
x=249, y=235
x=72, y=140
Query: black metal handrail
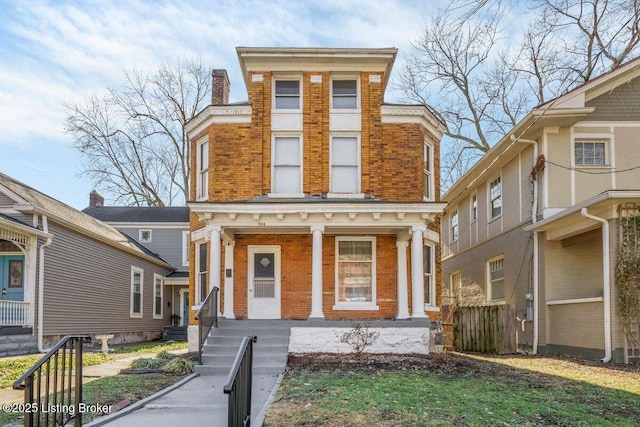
x=49, y=383
x=207, y=318
x=238, y=385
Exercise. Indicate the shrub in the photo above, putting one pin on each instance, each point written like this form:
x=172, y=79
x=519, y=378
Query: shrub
x=165, y=355
x=148, y=363
x=179, y=366
x=359, y=337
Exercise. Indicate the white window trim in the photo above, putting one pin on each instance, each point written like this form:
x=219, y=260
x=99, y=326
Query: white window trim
x=201, y=193
x=273, y=194
x=133, y=314
x=454, y=236
x=185, y=248
x=452, y=287
x=489, y=286
x=358, y=109
x=157, y=277
x=433, y=306
x=358, y=194
x=472, y=219
x=198, y=290
x=295, y=77
x=140, y=233
x=607, y=156
x=344, y=305
x=490, y=201
x=429, y=172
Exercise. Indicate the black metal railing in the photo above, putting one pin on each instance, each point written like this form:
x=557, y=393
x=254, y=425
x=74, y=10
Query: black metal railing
x=238, y=385
x=207, y=318
x=53, y=386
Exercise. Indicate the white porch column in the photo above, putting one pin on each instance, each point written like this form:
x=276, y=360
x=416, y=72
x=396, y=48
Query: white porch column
x=417, y=274
x=214, y=261
x=403, y=298
x=228, y=279
x=316, y=273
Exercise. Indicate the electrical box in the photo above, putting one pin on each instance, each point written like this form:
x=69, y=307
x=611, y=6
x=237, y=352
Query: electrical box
x=528, y=312
x=528, y=296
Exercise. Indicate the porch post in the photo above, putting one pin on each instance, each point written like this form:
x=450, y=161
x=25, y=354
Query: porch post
x=214, y=258
x=403, y=298
x=417, y=274
x=228, y=279
x=316, y=273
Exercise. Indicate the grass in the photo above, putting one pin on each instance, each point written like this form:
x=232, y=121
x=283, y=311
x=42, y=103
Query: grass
x=458, y=390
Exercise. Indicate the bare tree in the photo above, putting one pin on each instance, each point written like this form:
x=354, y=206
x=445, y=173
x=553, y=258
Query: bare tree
x=481, y=73
x=132, y=139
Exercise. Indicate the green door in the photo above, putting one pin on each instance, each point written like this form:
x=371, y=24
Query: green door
x=185, y=309
x=12, y=277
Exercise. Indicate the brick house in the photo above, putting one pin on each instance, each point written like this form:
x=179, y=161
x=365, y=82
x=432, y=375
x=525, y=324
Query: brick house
x=315, y=199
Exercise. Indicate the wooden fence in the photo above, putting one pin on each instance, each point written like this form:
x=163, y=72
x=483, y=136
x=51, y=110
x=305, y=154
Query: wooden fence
x=485, y=329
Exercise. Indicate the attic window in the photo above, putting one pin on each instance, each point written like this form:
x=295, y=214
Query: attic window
x=145, y=236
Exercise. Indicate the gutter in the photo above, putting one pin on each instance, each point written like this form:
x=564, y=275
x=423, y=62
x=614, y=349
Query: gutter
x=606, y=281
x=45, y=228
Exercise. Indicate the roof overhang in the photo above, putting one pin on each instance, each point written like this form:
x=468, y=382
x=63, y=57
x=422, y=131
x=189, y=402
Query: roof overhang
x=16, y=232
x=223, y=114
x=570, y=222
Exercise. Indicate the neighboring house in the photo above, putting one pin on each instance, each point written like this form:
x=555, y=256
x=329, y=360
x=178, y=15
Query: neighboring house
x=315, y=199
x=535, y=222
x=164, y=231
x=64, y=272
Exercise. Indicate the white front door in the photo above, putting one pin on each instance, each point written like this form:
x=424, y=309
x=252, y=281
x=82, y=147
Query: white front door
x=264, y=282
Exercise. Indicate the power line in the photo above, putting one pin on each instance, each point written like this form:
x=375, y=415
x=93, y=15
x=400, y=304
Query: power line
x=588, y=172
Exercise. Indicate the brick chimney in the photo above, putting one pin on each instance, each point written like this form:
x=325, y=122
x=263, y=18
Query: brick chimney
x=95, y=200
x=219, y=87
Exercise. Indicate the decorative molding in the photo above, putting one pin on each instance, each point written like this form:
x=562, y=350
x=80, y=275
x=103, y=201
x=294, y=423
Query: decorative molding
x=304, y=215
x=233, y=215
x=315, y=78
x=375, y=78
x=328, y=215
x=257, y=78
x=376, y=215
x=352, y=215
x=279, y=216
x=411, y=114
x=219, y=114
x=256, y=216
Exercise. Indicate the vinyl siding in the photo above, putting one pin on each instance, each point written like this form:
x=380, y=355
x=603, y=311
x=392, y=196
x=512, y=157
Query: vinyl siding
x=87, y=287
x=166, y=242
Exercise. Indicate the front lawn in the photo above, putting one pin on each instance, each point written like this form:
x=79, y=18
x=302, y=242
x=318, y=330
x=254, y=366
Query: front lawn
x=330, y=390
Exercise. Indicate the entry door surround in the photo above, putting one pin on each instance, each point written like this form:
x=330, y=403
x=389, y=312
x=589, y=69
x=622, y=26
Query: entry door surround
x=263, y=275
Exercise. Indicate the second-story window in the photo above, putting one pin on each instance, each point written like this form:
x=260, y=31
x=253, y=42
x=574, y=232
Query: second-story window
x=345, y=165
x=287, y=95
x=454, y=225
x=287, y=165
x=474, y=207
x=344, y=94
x=202, y=185
x=427, y=171
x=589, y=153
x=495, y=197
x=201, y=274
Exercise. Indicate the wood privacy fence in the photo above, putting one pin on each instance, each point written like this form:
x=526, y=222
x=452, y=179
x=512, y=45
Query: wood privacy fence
x=485, y=329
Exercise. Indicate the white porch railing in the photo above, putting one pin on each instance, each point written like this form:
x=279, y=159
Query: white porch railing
x=15, y=313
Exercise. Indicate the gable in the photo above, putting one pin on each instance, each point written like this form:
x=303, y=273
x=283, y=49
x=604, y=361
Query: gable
x=622, y=102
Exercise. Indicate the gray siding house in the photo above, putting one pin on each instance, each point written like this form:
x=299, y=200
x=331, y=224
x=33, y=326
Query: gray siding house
x=164, y=231
x=64, y=272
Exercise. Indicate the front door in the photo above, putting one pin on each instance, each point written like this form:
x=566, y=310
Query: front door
x=12, y=277
x=264, y=282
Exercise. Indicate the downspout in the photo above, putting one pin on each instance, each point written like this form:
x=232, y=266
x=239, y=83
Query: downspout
x=606, y=282
x=45, y=228
x=534, y=219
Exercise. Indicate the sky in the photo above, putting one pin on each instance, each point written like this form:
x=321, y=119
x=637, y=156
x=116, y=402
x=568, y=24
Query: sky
x=57, y=53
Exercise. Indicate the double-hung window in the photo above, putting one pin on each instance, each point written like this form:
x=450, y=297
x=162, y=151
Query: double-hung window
x=587, y=153
x=345, y=165
x=202, y=185
x=474, y=208
x=287, y=165
x=429, y=288
x=287, y=95
x=157, y=296
x=355, y=273
x=495, y=278
x=201, y=277
x=137, y=281
x=185, y=248
x=344, y=94
x=427, y=171
x=495, y=197
x=454, y=225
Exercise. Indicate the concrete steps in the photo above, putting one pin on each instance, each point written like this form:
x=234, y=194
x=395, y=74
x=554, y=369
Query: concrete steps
x=15, y=341
x=222, y=345
x=174, y=333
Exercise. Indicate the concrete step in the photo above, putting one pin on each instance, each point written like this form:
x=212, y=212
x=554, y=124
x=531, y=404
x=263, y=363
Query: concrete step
x=219, y=370
x=258, y=359
x=233, y=349
x=237, y=340
x=15, y=344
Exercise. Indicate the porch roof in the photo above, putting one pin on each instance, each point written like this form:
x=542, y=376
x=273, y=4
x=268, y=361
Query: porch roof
x=17, y=231
x=571, y=222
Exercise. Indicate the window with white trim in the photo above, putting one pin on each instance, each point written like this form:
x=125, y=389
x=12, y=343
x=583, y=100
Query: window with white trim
x=455, y=284
x=202, y=184
x=157, y=296
x=287, y=165
x=427, y=171
x=144, y=235
x=495, y=197
x=201, y=273
x=474, y=208
x=495, y=279
x=590, y=153
x=345, y=165
x=429, y=283
x=344, y=94
x=453, y=225
x=185, y=248
x=355, y=272
x=137, y=288
x=287, y=94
